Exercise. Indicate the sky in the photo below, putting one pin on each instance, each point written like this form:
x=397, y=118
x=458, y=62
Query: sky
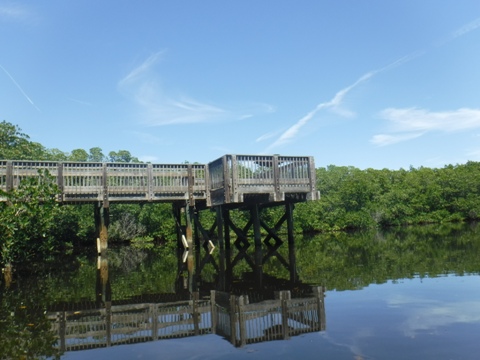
x=370, y=84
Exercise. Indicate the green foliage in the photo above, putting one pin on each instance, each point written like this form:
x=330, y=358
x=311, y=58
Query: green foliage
x=351, y=198
x=122, y=156
x=15, y=145
x=78, y=155
x=362, y=199
x=27, y=219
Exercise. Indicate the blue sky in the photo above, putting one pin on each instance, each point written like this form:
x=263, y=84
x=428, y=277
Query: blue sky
x=371, y=84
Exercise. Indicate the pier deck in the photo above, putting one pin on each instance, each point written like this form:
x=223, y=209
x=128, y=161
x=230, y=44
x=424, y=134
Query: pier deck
x=231, y=179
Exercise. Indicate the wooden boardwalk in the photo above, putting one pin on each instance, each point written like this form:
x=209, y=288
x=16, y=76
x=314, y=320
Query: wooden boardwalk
x=231, y=179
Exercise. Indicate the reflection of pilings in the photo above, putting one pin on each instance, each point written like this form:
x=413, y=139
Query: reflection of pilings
x=102, y=218
x=222, y=279
x=103, y=288
x=185, y=246
x=8, y=275
x=233, y=317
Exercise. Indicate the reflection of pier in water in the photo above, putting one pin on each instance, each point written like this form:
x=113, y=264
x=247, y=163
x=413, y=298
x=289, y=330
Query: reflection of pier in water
x=230, y=316
x=238, y=317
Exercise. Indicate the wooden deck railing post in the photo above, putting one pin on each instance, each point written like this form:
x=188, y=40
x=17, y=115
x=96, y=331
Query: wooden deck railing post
x=313, y=179
x=276, y=179
x=226, y=180
x=233, y=188
x=9, y=176
x=150, y=195
x=60, y=182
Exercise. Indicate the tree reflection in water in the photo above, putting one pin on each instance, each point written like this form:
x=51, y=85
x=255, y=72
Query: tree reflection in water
x=37, y=308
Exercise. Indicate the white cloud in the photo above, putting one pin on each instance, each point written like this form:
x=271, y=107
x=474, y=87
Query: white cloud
x=430, y=318
x=156, y=108
x=14, y=12
x=429, y=315
x=386, y=139
x=409, y=123
x=413, y=119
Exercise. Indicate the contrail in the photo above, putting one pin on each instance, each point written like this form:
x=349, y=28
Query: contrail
x=336, y=101
x=19, y=88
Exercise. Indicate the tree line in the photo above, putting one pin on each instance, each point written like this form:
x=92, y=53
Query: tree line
x=351, y=199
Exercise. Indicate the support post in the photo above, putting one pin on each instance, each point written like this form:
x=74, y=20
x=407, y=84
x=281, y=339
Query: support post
x=228, y=252
x=291, y=243
x=221, y=245
x=258, y=266
x=189, y=237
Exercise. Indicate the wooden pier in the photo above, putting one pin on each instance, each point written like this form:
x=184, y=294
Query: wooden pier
x=248, y=183
x=231, y=179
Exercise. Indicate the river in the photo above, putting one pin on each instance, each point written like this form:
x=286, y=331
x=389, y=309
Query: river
x=405, y=293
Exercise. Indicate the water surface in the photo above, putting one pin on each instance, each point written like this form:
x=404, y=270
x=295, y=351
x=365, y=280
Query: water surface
x=410, y=293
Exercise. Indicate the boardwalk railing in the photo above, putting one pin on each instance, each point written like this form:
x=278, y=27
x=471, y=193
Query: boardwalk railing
x=112, y=182
x=238, y=178
x=223, y=314
x=230, y=179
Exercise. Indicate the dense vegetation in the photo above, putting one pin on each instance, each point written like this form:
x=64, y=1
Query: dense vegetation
x=351, y=199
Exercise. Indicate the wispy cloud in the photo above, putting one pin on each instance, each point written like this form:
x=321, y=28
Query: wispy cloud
x=19, y=88
x=387, y=139
x=429, y=315
x=267, y=136
x=410, y=123
x=141, y=70
x=382, y=139
x=14, y=12
x=80, y=101
x=335, y=104
x=156, y=108
x=465, y=29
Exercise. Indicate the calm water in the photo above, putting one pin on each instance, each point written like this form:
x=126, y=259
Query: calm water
x=404, y=294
